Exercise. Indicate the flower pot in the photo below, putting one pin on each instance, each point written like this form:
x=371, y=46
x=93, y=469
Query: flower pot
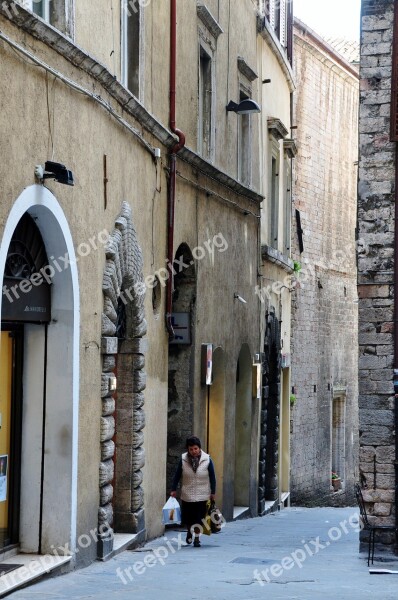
x=336, y=483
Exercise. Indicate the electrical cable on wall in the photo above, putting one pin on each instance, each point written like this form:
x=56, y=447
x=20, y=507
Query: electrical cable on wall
x=20, y=50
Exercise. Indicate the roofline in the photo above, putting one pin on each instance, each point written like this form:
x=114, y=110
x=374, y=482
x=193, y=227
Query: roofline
x=315, y=37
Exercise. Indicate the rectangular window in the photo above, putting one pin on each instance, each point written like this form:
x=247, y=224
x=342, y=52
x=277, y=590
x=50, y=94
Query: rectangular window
x=205, y=104
x=131, y=47
x=244, y=146
x=58, y=13
x=274, y=198
x=41, y=8
x=287, y=206
x=276, y=14
x=338, y=436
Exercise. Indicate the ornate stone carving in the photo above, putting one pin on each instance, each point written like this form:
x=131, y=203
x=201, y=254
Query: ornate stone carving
x=123, y=282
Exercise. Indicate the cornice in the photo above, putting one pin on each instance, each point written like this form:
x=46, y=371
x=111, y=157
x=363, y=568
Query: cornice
x=290, y=147
x=247, y=71
x=78, y=57
x=208, y=20
x=276, y=128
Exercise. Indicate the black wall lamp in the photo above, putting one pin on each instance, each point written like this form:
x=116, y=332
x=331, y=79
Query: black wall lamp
x=53, y=170
x=245, y=107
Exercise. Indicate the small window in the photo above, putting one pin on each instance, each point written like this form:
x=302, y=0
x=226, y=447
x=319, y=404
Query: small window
x=58, y=13
x=205, y=104
x=274, y=198
x=338, y=436
x=287, y=206
x=156, y=297
x=130, y=24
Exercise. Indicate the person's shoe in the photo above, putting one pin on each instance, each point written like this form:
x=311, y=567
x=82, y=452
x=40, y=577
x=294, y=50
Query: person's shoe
x=188, y=539
x=196, y=543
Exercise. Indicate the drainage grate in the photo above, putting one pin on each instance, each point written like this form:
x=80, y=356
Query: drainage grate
x=246, y=560
x=6, y=568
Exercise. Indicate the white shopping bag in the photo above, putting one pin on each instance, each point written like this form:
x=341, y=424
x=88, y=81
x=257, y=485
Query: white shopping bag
x=171, y=512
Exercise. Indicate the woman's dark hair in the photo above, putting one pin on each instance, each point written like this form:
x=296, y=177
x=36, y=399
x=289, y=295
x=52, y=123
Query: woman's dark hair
x=193, y=441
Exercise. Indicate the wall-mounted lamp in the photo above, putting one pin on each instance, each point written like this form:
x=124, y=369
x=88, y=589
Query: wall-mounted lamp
x=245, y=107
x=53, y=170
x=237, y=297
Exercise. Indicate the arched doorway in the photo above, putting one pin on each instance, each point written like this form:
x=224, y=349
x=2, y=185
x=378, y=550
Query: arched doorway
x=49, y=377
x=216, y=420
x=270, y=409
x=243, y=428
x=181, y=360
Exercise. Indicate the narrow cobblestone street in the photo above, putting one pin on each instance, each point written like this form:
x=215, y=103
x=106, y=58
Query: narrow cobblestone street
x=298, y=553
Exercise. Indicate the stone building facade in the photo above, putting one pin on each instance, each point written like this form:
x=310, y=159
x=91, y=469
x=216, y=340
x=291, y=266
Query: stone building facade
x=277, y=152
x=324, y=414
x=377, y=202
x=160, y=239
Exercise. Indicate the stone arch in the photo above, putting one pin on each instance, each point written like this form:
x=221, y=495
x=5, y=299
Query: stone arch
x=181, y=362
x=270, y=408
x=123, y=348
x=243, y=423
x=58, y=496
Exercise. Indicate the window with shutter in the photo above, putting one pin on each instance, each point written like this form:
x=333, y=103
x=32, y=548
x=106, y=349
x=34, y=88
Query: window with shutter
x=272, y=12
x=282, y=23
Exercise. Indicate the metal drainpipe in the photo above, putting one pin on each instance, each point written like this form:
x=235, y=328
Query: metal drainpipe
x=396, y=341
x=172, y=182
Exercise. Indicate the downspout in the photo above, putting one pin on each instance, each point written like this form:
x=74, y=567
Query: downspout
x=172, y=158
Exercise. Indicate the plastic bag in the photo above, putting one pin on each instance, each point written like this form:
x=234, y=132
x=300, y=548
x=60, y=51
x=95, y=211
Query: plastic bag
x=171, y=512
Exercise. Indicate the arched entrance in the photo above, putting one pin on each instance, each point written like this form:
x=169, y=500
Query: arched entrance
x=181, y=360
x=48, y=380
x=243, y=428
x=270, y=408
x=216, y=420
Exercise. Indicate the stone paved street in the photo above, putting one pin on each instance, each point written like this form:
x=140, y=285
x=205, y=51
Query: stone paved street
x=318, y=549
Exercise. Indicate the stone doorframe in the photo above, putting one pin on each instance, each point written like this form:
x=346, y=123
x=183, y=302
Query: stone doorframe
x=270, y=408
x=121, y=494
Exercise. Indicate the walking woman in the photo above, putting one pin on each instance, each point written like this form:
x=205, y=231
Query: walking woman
x=198, y=485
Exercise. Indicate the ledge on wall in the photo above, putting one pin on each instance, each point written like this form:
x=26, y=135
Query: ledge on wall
x=275, y=256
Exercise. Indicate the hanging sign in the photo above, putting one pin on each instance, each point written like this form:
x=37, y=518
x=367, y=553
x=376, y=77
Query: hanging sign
x=207, y=364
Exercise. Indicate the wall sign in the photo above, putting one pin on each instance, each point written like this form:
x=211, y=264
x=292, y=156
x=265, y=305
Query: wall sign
x=182, y=328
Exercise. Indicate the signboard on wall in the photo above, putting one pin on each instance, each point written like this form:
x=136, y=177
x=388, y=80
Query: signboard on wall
x=26, y=302
x=182, y=328
x=256, y=380
x=207, y=364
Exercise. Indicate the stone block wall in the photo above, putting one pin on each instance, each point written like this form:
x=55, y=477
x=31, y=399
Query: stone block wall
x=324, y=302
x=376, y=266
